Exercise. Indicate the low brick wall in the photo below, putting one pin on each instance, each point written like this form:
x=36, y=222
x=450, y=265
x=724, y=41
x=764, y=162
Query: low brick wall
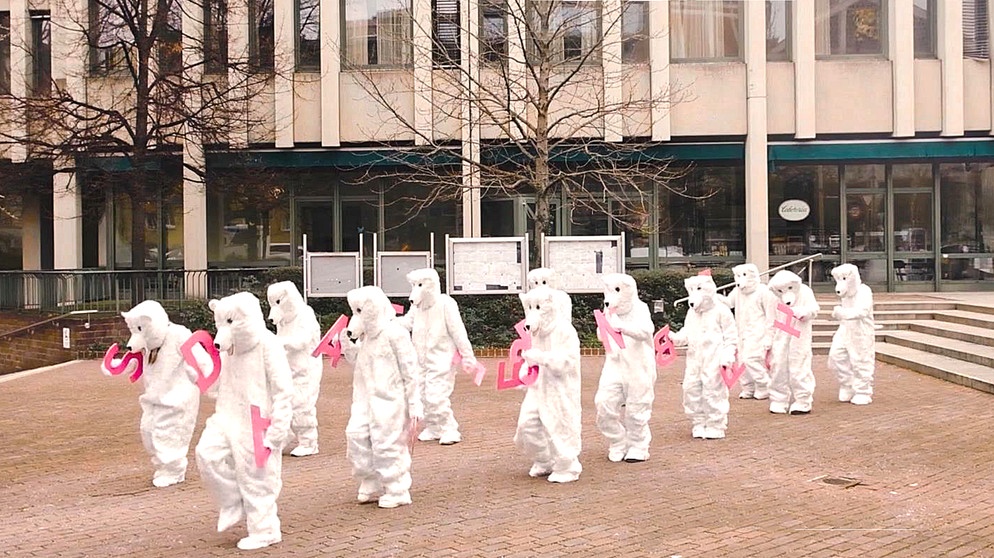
x=41, y=345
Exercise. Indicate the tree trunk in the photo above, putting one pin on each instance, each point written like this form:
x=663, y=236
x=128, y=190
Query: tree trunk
x=137, y=244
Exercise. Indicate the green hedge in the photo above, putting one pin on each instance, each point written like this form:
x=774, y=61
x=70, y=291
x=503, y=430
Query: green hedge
x=489, y=319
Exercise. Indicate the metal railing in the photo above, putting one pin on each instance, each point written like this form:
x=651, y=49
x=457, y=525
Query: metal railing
x=809, y=259
x=118, y=290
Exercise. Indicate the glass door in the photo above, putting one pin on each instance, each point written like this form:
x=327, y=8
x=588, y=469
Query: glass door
x=316, y=219
x=360, y=216
x=913, y=250
x=865, y=219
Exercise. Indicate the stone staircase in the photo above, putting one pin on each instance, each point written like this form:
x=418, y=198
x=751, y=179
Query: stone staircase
x=950, y=339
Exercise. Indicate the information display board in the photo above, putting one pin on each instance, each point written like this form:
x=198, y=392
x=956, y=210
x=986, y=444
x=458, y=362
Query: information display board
x=331, y=274
x=486, y=265
x=392, y=269
x=581, y=261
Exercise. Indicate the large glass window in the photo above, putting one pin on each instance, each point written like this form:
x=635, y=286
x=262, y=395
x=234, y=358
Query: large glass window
x=966, y=191
x=565, y=31
x=493, y=30
x=248, y=220
x=40, y=83
x=635, y=32
x=850, y=27
x=171, y=38
x=11, y=231
x=778, y=30
x=976, y=34
x=308, y=35
x=409, y=220
x=705, y=30
x=866, y=209
x=377, y=32
x=4, y=53
x=215, y=36
x=925, y=17
x=711, y=226
x=445, y=33
x=815, y=188
x=262, y=42
x=110, y=38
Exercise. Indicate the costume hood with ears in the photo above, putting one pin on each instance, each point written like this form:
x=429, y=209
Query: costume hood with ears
x=746, y=277
x=148, y=323
x=239, y=313
x=620, y=290
x=847, y=280
x=426, y=287
x=542, y=310
x=284, y=302
x=787, y=286
x=543, y=277
x=371, y=312
x=700, y=291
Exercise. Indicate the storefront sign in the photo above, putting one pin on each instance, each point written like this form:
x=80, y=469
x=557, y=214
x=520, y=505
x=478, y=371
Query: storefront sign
x=794, y=210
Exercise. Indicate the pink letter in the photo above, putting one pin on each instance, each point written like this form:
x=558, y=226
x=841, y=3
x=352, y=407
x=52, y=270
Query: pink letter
x=399, y=309
x=788, y=324
x=479, y=370
x=504, y=382
x=332, y=350
x=731, y=374
x=605, y=332
x=122, y=365
x=259, y=426
x=207, y=342
x=665, y=350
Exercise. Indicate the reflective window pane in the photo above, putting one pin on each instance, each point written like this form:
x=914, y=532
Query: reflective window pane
x=925, y=14
x=248, y=220
x=847, y=27
x=967, y=221
x=976, y=32
x=912, y=176
x=865, y=221
x=778, y=30
x=713, y=226
x=409, y=220
x=912, y=222
x=705, y=29
x=635, y=32
x=11, y=233
x=817, y=187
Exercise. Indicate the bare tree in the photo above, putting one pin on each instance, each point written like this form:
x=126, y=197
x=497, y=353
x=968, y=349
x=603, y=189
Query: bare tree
x=145, y=87
x=527, y=96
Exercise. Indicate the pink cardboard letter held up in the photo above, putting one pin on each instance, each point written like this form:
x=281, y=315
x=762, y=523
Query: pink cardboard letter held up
x=665, y=349
x=207, y=342
x=731, y=374
x=122, y=365
x=399, y=309
x=332, y=350
x=788, y=324
x=523, y=343
x=259, y=426
x=479, y=370
x=605, y=331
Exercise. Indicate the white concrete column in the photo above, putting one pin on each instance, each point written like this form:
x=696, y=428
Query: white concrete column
x=422, y=43
x=20, y=34
x=803, y=41
x=238, y=57
x=659, y=68
x=613, y=117
x=331, y=69
x=67, y=223
x=950, y=47
x=470, y=129
x=757, y=237
x=901, y=51
x=285, y=61
x=516, y=69
x=194, y=220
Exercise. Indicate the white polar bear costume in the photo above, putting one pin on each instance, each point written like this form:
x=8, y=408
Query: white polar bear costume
x=853, y=353
x=548, y=429
x=755, y=309
x=547, y=277
x=792, y=382
x=385, y=397
x=438, y=333
x=171, y=400
x=629, y=376
x=710, y=337
x=299, y=331
x=254, y=371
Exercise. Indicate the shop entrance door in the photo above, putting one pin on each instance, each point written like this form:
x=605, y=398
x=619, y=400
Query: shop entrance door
x=316, y=219
x=360, y=215
x=912, y=259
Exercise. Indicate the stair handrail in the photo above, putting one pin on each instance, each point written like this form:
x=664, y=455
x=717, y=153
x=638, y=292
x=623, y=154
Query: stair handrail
x=810, y=259
x=12, y=333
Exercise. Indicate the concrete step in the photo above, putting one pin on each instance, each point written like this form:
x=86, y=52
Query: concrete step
x=945, y=368
x=966, y=317
x=832, y=325
x=897, y=305
x=982, y=336
x=954, y=348
x=989, y=310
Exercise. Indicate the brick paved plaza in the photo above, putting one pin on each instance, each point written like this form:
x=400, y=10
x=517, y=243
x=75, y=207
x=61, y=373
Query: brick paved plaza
x=75, y=481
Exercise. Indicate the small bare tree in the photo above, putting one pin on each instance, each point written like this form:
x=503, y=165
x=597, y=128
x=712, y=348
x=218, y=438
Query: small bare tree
x=525, y=96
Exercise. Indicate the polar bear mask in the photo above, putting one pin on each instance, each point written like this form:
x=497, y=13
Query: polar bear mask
x=847, y=280
x=619, y=292
x=787, y=286
x=284, y=302
x=148, y=323
x=426, y=286
x=239, y=322
x=746, y=277
x=371, y=312
x=541, y=310
x=543, y=276
x=700, y=292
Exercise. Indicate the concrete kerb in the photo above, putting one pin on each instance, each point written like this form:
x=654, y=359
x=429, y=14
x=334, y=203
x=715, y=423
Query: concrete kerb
x=25, y=373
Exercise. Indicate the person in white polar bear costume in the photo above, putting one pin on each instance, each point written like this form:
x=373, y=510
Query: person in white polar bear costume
x=755, y=309
x=853, y=353
x=710, y=337
x=792, y=382
x=299, y=331
x=629, y=375
x=171, y=400
x=254, y=371
x=438, y=333
x=385, y=398
x=547, y=277
x=548, y=429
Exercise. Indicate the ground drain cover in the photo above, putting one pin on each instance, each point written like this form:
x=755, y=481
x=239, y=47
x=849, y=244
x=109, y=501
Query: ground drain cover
x=844, y=482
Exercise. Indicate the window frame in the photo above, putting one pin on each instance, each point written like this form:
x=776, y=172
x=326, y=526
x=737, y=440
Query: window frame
x=409, y=54
x=933, y=30
x=215, y=37
x=299, y=65
x=493, y=8
x=35, y=88
x=985, y=22
x=5, y=52
x=716, y=59
x=442, y=58
x=642, y=37
x=789, y=32
x=104, y=67
x=170, y=38
x=592, y=58
x=259, y=60
x=884, y=32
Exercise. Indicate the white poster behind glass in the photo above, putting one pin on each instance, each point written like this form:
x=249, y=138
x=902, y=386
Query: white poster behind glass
x=392, y=269
x=581, y=261
x=486, y=265
x=331, y=274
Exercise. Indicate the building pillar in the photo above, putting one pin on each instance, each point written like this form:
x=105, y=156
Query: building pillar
x=194, y=221
x=659, y=69
x=20, y=34
x=516, y=69
x=901, y=51
x=803, y=41
x=331, y=69
x=757, y=235
x=238, y=58
x=285, y=61
x=613, y=116
x=950, y=51
x=422, y=53
x=470, y=128
x=67, y=222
